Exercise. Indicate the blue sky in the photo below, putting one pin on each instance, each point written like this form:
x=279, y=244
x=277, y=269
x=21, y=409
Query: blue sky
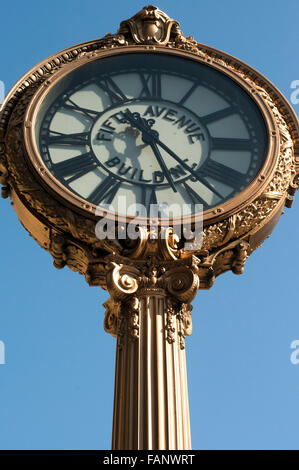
x=56, y=388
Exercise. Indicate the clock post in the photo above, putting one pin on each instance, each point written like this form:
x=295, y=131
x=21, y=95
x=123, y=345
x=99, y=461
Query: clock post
x=149, y=313
x=153, y=114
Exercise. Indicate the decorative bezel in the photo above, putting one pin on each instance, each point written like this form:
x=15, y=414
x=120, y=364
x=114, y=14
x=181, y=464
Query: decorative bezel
x=249, y=218
x=221, y=211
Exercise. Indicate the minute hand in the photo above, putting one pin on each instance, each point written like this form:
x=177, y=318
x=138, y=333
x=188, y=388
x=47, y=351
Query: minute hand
x=149, y=136
x=162, y=164
x=196, y=174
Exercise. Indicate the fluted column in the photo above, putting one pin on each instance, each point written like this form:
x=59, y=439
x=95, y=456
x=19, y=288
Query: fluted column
x=151, y=408
x=150, y=317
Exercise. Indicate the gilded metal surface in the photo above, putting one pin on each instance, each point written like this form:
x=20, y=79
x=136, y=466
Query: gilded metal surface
x=236, y=220
x=155, y=269
x=151, y=409
x=176, y=280
x=225, y=227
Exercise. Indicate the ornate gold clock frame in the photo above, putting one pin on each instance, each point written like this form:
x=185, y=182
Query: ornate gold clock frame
x=153, y=279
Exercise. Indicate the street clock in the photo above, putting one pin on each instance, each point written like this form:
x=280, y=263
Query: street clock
x=153, y=118
x=151, y=126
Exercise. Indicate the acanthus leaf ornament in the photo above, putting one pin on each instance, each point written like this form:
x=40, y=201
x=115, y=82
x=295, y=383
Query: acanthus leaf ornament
x=112, y=317
x=171, y=306
x=129, y=280
x=184, y=320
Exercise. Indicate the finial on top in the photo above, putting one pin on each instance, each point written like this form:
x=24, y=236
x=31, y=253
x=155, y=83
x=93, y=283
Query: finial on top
x=150, y=26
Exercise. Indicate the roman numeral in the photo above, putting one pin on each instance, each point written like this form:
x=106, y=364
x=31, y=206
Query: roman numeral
x=75, y=167
x=194, y=196
x=222, y=173
x=208, y=118
x=54, y=137
x=70, y=104
x=113, y=91
x=188, y=94
x=231, y=144
x=105, y=191
x=148, y=197
x=151, y=85
x=153, y=197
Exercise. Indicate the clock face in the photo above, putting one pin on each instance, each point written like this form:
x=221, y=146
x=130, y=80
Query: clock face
x=150, y=128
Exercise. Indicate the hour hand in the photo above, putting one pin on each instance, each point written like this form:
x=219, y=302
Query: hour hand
x=148, y=134
x=134, y=119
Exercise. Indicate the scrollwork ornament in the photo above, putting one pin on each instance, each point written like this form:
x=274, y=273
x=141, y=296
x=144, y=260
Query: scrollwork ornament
x=182, y=283
x=169, y=243
x=241, y=256
x=58, y=244
x=149, y=26
x=122, y=280
x=112, y=321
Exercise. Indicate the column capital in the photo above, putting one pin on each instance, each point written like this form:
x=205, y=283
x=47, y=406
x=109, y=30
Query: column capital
x=178, y=278
x=175, y=281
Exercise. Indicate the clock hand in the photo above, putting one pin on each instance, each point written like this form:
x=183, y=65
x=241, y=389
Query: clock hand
x=129, y=117
x=141, y=124
x=148, y=137
x=162, y=165
x=196, y=174
x=152, y=137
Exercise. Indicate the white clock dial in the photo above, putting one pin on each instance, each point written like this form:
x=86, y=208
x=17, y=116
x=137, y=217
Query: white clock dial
x=154, y=128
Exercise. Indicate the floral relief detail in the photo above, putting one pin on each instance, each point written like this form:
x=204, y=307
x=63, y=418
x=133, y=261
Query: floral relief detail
x=149, y=26
x=133, y=317
x=184, y=321
x=170, y=320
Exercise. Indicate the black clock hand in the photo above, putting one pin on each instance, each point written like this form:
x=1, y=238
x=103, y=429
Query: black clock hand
x=152, y=137
x=162, y=165
x=135, y=122
x=141, y=124
x=196, y=174
x=149, y=136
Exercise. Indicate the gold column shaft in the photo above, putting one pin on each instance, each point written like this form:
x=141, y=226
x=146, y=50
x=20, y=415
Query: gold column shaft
x=151, y=409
